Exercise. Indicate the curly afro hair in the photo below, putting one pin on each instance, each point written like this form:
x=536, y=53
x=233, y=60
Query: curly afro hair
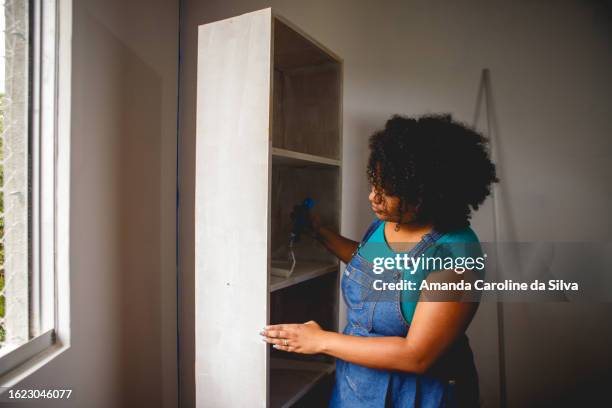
x=439, y=166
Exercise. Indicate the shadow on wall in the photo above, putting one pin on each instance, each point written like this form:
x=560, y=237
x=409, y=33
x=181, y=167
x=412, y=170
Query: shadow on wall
x=134, y=165
x=115, y=354
x=140, y=231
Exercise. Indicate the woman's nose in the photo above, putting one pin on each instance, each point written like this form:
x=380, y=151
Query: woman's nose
x=372, y=196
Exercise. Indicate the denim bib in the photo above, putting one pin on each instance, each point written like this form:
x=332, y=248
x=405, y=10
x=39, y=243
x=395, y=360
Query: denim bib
x=369, y=316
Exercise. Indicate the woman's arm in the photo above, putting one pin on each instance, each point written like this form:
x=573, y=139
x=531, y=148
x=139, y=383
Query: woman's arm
x=338, y=245
x=335, y=243
x=435, y=326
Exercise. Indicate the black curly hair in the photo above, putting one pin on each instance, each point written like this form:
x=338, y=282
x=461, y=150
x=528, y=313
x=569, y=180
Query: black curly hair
x=437, y=165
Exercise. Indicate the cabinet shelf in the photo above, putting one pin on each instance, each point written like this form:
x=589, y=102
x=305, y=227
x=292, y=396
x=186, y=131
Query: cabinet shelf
x=291, y=158
x=304, y=270
x=292, y=379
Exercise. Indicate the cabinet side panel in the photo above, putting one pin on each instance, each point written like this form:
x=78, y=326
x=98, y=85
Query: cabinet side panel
x=231, y=210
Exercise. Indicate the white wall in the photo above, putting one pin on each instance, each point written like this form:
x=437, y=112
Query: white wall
x=549, y=63
x=123, y=274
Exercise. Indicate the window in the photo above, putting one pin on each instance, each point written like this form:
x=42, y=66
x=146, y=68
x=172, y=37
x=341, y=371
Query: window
x=14, y=178
x=34, y=136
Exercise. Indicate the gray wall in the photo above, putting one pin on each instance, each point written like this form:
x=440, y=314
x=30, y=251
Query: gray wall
x=123, y=185
x=549, y=63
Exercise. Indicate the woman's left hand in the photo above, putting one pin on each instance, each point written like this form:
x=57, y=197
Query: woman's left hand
x=306, y=338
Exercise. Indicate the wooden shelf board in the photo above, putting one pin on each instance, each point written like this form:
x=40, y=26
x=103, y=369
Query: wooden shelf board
x=304, y=270
x=290, y=380
x=291, y=158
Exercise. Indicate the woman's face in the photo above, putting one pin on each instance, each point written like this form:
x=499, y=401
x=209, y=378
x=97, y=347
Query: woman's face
x=386, y=207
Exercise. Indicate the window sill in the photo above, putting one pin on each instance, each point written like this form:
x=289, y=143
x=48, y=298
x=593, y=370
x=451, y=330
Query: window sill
x=31, y=365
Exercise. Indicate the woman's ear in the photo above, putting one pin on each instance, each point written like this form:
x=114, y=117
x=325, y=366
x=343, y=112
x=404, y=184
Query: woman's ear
x=409, y=212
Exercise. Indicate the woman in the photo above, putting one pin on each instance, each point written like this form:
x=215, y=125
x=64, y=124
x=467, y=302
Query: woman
x=427, y=174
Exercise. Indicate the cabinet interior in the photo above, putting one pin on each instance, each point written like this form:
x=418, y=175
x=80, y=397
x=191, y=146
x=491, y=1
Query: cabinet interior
x=306, y=141
x=306, y=108
x=290, y=186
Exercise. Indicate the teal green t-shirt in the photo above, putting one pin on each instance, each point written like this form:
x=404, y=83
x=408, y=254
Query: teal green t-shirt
x=459, y=243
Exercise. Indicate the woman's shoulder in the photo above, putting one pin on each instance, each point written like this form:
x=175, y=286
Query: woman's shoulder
x=460, y=243
x=374, y=226
x=466, y=234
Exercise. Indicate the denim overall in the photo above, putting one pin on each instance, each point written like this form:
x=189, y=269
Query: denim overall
x=360, y=386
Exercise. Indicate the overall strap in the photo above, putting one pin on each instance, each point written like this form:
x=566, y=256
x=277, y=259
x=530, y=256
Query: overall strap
x=367, y=235
x=427, y=241
x=370, y=230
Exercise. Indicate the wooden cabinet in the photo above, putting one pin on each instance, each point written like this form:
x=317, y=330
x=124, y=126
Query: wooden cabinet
x=269, y=134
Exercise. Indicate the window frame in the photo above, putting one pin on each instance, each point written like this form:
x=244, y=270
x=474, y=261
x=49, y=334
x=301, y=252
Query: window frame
x=49, y=132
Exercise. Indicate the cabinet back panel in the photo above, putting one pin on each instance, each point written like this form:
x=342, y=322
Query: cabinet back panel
x=315, y=299
x=307, y=87
x=306, y=111
x=290, y=185
x=293, y=50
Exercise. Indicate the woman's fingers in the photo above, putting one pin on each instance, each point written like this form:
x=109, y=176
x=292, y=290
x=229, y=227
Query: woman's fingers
x=275, y=333
x=277, y=326
x=280, y=342
x=283, y=334
x=279, y=330
x=284, y=348
x=280, y=335
x=297, y=337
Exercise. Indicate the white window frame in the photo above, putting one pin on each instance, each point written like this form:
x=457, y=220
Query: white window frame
x=50, y=137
